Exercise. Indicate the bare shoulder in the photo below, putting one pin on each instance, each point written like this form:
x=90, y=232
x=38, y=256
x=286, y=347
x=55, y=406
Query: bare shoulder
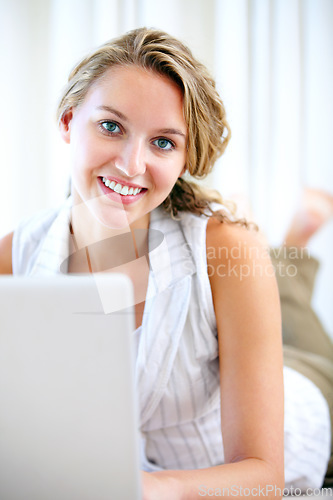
x=6, y=254
x=241, y=273
x=227, y=242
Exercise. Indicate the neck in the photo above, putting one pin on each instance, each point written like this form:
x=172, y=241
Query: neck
x=107, y=247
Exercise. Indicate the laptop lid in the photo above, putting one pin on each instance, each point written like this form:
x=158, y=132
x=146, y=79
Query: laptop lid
x=67, y=408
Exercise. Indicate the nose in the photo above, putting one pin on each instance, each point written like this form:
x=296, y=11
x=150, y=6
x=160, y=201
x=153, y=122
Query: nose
x=131, y=161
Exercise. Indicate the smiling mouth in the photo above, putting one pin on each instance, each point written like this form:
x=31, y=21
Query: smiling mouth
x=121, y=188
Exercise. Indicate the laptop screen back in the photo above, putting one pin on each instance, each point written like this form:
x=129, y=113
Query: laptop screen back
x=67, y=406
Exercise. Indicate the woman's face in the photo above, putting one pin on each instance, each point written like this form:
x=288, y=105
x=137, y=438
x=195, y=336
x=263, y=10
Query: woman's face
x=128, y=143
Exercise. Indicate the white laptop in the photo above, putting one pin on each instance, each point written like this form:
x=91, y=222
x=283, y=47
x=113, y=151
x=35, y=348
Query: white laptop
x=68, y=426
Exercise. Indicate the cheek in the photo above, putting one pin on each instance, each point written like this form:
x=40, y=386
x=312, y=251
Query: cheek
x=87, y=154
x=170, y=171
x=165, y=180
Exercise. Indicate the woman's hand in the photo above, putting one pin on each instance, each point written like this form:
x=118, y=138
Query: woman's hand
x=160, y=486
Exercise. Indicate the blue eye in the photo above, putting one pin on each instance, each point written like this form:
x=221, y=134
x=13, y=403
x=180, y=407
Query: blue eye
x=164, y=144
x=111, y=127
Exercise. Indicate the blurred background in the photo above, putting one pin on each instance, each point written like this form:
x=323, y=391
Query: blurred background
x=273, y=64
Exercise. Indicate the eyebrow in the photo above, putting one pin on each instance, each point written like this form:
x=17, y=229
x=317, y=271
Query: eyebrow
x=114, y=111
x=172, y=131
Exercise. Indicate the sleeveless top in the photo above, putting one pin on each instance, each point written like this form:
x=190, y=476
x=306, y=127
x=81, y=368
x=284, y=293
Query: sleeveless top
x=177, y=368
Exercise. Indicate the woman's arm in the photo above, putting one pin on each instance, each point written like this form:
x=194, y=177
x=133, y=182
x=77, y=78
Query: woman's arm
x=246, y=303
x=6, y=254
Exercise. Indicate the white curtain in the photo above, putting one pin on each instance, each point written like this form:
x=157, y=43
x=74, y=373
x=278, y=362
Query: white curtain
x=273, y=63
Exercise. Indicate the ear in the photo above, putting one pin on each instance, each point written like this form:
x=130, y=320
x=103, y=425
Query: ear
x=65, y=125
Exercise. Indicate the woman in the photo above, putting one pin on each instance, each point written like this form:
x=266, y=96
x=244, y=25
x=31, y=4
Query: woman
x=137, y=114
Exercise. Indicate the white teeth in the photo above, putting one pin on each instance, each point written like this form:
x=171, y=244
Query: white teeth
x=118, y=188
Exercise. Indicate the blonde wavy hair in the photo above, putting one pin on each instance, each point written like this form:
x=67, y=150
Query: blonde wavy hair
x=208, y=129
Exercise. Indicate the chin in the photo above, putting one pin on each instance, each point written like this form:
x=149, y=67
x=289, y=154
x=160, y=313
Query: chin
x=118, y=221
x=112, y=217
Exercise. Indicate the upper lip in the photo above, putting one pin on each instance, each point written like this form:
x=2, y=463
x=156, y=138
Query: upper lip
x=122, y=182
